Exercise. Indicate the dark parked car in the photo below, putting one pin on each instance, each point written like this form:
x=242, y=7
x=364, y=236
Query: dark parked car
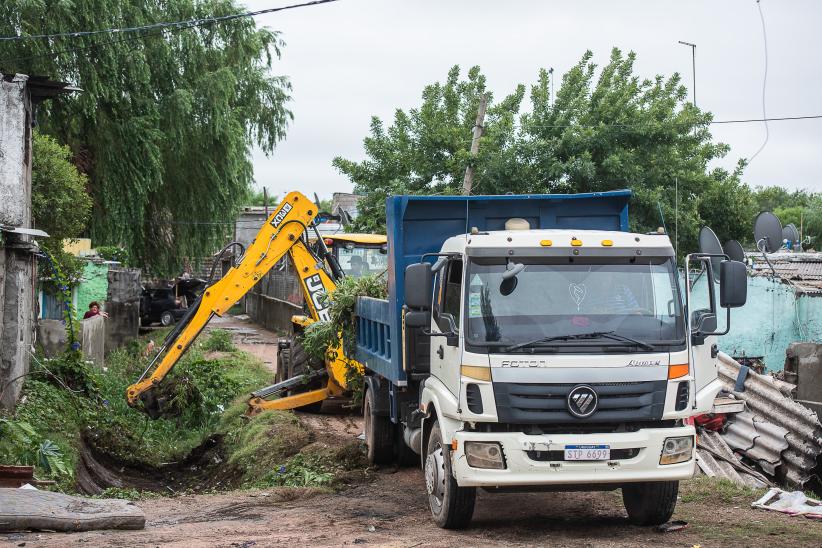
x=166, y=305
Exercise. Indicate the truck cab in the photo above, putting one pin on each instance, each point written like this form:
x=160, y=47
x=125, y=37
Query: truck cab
x=549, y=350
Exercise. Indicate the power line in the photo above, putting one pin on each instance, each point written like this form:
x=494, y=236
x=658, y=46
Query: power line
x=764, y=83
x=189, y=23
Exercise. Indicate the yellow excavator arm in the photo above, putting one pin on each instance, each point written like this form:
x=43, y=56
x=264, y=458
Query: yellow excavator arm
x=281, y=233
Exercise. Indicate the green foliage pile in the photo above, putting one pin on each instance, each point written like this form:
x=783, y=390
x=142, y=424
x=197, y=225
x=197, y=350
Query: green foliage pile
x=606, y=129
x=322, y=339
x=165, y=122
x=75, y=399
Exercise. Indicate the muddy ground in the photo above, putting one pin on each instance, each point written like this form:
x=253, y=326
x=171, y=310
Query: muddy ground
x=388, y=507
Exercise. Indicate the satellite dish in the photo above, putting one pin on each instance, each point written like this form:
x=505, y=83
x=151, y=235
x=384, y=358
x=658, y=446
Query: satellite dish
x=791, y=234
x=709, y=245
x=768, y=232
x=734, y=251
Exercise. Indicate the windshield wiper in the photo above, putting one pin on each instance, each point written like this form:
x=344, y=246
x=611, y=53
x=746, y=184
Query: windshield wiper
x=581, y=336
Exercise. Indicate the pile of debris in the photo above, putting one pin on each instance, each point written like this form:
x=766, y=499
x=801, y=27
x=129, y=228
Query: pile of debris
x=757, y=434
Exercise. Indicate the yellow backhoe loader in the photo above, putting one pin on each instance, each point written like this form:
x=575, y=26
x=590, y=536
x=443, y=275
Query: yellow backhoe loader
x=286, y=231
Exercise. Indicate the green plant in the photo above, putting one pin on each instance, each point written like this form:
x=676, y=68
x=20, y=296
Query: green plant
x=219, y=340
x=301, y=470
x=113, y=253
x=21, y=444
x=72, y=371
x=322, y=339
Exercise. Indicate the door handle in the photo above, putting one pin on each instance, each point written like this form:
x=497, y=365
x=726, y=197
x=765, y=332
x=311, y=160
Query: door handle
x=441, y=352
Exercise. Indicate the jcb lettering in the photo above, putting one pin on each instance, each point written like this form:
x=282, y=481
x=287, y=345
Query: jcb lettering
x=281, y=215
x=316, y=291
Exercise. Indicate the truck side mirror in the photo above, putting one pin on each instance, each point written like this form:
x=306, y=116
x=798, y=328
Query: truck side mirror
x=733, y=286
x=418, y=286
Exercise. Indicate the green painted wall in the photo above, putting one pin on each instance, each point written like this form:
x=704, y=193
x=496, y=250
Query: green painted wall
x=92, y=287
x=773, y=317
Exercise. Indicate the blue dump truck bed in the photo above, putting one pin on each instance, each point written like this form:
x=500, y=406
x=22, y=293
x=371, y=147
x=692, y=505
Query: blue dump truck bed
x=420, y=224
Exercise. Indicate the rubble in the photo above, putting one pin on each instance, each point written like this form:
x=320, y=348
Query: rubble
x=781, y=436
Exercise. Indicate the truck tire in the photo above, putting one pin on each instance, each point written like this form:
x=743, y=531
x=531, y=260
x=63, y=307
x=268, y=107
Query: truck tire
x=166, y=318
x=650, y=503
x=299, y=363
x=379, y=432
x=451, y=506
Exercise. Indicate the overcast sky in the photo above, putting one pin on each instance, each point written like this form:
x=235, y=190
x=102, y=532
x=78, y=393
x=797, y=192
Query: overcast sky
x=353, y=59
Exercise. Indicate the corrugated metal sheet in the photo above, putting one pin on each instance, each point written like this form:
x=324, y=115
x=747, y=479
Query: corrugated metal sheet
x=757, y=439
x=767, y=402
x=714, y=457
x=803, y=270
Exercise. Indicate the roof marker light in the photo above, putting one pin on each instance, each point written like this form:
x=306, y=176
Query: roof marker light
x=576, y=243
x=607, y=243
x=546, y=243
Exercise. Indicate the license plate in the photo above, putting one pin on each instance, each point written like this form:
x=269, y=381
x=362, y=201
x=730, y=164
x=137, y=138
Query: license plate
x=587, y=452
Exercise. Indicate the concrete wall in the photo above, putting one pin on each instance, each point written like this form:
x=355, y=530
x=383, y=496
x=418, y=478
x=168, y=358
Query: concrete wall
x=269, y=312
x=93, y=286
x=123, y=306
x=773, y=317
x=17, y=262
x=52, y=338
x=93, y=337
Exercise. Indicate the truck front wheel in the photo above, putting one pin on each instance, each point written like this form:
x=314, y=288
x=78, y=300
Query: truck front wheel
x=451, y=505
x=650, y=503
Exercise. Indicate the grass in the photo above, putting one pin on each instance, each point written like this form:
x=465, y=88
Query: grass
x=202, y=390
x=720, y=491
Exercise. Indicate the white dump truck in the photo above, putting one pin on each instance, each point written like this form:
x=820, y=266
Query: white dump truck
x=535, y=343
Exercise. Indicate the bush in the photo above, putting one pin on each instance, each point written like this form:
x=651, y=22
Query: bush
x=219, y=340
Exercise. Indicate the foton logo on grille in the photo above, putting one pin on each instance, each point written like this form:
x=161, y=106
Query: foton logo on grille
x=281, y=215
x=524, y=363
x=582, y=401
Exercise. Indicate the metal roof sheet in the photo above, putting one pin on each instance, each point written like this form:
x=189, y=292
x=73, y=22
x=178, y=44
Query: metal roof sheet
x=714, y=458
x=757, y=439
x=767, y=402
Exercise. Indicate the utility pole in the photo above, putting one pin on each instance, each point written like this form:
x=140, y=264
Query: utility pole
x=551, y=74
x=693, y=64
x=468, y=180
x=265, y=201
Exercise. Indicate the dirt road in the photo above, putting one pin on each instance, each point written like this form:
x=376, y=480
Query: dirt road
x=388, y=507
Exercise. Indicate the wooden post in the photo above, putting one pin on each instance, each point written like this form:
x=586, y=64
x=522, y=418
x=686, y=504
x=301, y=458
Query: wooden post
x=468, y=180
x=265, y=201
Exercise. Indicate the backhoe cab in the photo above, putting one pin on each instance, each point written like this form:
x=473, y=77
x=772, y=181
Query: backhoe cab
x=286, y=231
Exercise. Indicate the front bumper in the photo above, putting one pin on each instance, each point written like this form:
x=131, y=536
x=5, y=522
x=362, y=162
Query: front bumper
x=521, y=470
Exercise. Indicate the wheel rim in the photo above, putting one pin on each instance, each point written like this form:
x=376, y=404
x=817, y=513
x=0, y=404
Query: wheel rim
x=435, y=477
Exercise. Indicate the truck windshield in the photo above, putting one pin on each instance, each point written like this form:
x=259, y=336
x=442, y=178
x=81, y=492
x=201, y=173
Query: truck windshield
x=581, y=306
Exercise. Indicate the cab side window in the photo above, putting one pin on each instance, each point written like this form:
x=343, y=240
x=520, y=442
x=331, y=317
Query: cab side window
x=452, y=292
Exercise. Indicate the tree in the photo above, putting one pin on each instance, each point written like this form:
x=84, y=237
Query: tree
x=165, y=121
x=606, y=130
x=59, y=202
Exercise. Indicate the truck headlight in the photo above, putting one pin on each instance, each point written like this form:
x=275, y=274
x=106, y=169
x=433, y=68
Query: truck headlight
x=484, y=454
x=676, y=450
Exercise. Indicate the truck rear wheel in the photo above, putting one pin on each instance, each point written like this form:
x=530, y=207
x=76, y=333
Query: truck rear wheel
x=378, y=433
x=650, y=503
x=451, y=506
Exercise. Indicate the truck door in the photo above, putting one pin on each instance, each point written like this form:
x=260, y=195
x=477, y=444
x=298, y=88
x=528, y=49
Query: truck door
x=446, y=352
